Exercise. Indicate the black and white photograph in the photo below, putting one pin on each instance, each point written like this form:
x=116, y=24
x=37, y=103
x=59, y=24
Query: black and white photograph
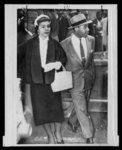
x=61, y=75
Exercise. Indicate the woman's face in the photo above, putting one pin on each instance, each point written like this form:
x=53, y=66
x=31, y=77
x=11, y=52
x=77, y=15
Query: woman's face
x=44, y=29
x=82, y=31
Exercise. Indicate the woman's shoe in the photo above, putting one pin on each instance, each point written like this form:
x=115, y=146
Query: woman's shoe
x=60, y=142
x=89, y=141
x=57, y=141
x=51, y=140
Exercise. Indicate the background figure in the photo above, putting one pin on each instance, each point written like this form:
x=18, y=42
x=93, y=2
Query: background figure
x=96, y=31
x=104, y=23
x=22, y=33
x=43, y=56
x=79, y=49
x=54, y=23
x=22, y=36
x=71, y=14
x=63, y=25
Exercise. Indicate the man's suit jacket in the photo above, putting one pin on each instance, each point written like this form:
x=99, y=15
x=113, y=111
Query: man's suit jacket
x=31, y=62
x=81, y=76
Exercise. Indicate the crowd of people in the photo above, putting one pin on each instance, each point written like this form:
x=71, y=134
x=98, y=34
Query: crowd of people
x=61, y=21
x=61, y=37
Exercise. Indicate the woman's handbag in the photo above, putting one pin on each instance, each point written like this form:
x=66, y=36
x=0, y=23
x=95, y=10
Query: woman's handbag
x=62, y=81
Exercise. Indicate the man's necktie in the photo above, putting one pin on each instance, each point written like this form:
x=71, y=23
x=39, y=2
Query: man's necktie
x=82, y=53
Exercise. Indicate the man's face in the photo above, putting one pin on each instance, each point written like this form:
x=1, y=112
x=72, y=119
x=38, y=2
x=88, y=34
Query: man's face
x=99, y=16
x=44, y=29
x=82, y=30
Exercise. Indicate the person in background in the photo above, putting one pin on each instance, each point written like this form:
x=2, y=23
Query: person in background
x=22, y=33
x=43, y=56
x=54, y=22
x=63, y=25
x=104, y=23
x=90, y=25
x=22, y=36
x=73, y=12
x=96, y=31
x=79, y=48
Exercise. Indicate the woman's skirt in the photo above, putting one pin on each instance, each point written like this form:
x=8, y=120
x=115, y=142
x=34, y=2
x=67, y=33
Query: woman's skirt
x=47, y=106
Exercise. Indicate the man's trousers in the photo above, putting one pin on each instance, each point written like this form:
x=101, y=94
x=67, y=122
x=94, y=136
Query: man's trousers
x=80, y=106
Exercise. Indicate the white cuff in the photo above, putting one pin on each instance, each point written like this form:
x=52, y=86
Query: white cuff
x=50, y=66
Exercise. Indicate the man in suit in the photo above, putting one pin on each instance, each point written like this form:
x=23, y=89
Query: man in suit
x=79, y=49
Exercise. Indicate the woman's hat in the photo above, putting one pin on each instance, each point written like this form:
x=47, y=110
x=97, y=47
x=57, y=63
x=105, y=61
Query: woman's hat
x=77, y=20
x=40, y=19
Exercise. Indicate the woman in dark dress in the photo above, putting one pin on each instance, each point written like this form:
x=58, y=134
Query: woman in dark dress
x=43, y=56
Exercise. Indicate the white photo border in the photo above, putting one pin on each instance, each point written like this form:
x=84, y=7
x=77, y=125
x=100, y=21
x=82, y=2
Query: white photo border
x=9, y=139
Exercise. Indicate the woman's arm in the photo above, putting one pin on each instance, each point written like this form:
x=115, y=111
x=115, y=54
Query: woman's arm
x=60, y=59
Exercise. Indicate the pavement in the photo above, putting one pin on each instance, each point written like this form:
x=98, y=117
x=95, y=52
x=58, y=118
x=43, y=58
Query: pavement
x=100, y=123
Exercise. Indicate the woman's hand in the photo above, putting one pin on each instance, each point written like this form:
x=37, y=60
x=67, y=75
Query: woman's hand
x=50, y=66
x=57, y=65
